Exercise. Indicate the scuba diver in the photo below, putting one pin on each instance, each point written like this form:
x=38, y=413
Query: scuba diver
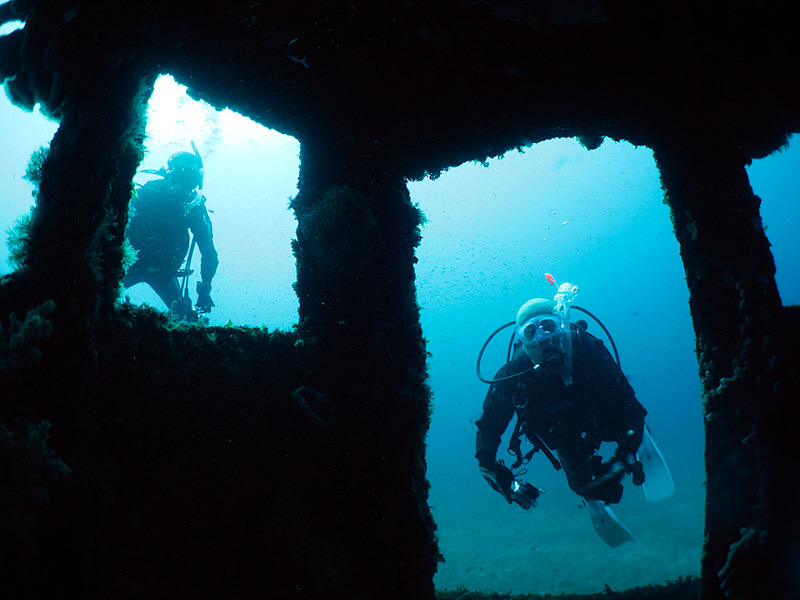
x=569, y=395
x=162, y=213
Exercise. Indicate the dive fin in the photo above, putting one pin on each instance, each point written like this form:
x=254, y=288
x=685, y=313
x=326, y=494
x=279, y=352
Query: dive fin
x=612, y=531
x=657, y=479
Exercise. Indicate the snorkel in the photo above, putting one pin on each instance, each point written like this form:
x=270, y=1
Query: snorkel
x=200, y=158
x=564, y=298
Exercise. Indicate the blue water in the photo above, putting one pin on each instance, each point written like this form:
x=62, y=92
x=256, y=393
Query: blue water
x=596, y=219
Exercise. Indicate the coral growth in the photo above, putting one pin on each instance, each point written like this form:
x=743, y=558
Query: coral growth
x=19, y=345
x=33, y=170
x=129, y=255
x=20, y=232
x=28, y=468
x=323, y=225
x=18, y=236
x=28, y=463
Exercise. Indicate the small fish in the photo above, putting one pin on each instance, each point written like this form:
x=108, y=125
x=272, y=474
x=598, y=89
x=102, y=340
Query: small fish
x=294, y=58
x=302, y=61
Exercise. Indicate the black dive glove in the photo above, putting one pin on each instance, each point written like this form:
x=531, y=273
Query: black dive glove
x=630, y=465
x=204, y=301
x=499, y=477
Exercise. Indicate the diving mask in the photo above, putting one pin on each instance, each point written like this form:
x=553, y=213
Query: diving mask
x=540, y=329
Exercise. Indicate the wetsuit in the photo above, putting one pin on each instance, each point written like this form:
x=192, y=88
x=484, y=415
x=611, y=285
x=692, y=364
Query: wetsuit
x=599, y=406
x=159, y=231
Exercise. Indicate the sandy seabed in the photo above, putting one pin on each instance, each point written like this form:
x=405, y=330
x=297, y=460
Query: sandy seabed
x=553, y=548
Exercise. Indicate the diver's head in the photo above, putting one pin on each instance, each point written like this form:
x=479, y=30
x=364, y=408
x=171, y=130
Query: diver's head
x=184, y=172
x=540, y=330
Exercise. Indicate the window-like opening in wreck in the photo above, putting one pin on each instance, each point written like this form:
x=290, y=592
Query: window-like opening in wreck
x=596, y=219
x=775, y=180
x=250, y=175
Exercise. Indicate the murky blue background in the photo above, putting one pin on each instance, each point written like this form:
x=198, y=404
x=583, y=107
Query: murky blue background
x=596, y=219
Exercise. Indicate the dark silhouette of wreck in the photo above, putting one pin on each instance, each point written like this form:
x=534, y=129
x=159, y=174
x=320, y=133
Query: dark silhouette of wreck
x=145, y=461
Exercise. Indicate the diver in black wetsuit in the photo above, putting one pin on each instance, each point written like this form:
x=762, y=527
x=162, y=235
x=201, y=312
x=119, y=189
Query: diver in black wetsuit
x=569, y=396
x=162, y=213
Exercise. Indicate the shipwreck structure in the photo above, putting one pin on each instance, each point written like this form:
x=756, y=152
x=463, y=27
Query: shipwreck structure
x=142, y=460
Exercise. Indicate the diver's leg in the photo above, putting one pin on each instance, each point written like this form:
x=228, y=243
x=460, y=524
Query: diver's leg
x=577, y=463
x=577, y=468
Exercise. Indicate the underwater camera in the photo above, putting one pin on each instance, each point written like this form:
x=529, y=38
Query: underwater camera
x=524, y=494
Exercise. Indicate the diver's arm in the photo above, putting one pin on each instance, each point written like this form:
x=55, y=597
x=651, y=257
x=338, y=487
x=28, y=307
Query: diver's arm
x=200, y=224
x=202, y=229
x=497, y=412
